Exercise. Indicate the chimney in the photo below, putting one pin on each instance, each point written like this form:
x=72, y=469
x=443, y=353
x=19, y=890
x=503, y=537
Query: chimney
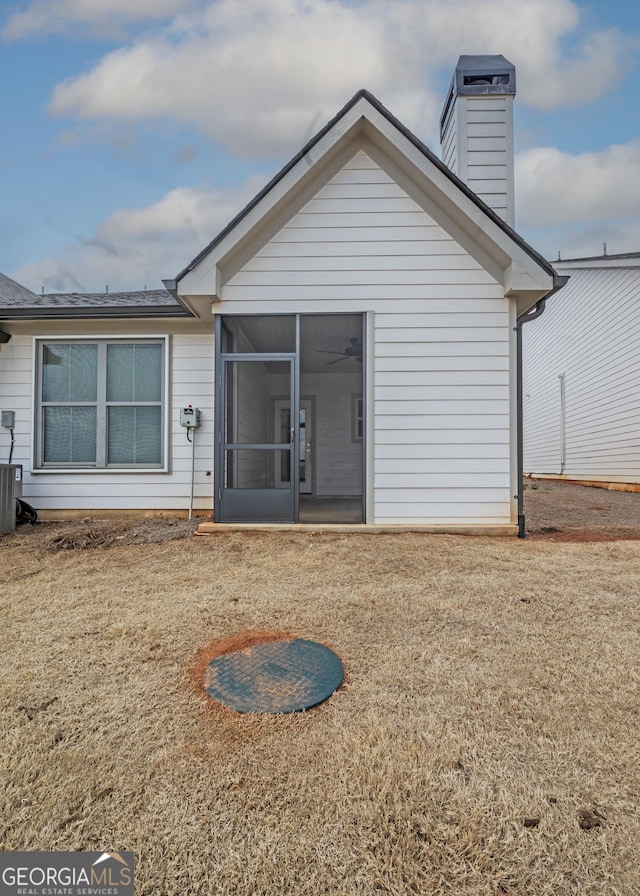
x=476, y=129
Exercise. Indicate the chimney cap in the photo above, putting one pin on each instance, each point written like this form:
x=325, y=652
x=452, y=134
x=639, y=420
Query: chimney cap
x=478, y=75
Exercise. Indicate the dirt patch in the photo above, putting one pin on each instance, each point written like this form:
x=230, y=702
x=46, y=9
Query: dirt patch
x=94, y=534
x=564, y=511
x=583, y=537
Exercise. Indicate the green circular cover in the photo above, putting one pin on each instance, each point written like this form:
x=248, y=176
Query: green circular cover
x=274, y=677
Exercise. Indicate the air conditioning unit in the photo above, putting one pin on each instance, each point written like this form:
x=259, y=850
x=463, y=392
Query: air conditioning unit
x=10, y=489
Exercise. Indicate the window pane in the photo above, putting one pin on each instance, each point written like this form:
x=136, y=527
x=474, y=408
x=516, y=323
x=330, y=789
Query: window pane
x=70, y=435
x=134, y=372
x=69, y=372
x=135, y=435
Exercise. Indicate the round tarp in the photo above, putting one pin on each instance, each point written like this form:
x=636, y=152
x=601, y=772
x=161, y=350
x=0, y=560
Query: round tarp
x=274, y=677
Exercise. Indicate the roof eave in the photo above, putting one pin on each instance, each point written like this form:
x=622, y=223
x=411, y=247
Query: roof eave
x=527, y=298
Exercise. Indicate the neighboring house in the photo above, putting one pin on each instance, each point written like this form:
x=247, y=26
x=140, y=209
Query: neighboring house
x=350, y=340
x=582, y=375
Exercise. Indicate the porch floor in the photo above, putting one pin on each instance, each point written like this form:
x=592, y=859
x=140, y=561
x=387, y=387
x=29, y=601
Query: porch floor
x=330, y=509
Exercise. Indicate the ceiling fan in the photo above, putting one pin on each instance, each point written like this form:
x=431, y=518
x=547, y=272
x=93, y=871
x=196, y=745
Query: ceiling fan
x=353, y=350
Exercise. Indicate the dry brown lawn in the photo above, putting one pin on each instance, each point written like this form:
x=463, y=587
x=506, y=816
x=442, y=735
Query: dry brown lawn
x=485, y=740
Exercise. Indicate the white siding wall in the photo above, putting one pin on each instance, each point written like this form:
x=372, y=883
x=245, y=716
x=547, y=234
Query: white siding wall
x=442, y=337
x=449, y=140
x=490, y=152
x=15, y=395
x=477, y=145
x=191, y=379
x=590, y=332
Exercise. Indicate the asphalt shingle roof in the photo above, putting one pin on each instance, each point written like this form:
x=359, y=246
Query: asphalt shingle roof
x=13, y=294
x=115, y=299
x=18, y=301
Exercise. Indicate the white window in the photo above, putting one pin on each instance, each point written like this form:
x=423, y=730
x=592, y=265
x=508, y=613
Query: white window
x=101, y=403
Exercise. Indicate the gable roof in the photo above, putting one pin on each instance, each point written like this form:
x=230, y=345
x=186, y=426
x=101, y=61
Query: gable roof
x=371, y=109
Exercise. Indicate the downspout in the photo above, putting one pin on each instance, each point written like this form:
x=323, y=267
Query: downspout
x=563, y=424
x=558, y=282
x=532, y=314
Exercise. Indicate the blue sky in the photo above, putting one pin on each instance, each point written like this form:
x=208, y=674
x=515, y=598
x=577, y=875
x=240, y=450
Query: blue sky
x=135, y=129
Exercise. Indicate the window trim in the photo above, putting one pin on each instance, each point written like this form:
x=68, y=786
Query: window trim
x=38, y=466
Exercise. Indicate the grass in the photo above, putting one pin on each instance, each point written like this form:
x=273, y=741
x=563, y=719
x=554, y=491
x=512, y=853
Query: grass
x=489, y=709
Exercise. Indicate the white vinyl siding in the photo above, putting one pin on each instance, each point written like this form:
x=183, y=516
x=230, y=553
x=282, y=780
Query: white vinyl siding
x=16, y=394
x=590, y=334
x=190, y=382
x=477, y=145
x=441, y=341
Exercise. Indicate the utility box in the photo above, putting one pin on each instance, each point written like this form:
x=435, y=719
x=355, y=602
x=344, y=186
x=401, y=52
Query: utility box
x=190, y=417
x=10, y=489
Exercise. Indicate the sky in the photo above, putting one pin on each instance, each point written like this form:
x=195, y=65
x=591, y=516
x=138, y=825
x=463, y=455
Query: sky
x=135, y=130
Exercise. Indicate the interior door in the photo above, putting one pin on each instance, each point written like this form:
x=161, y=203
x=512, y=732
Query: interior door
x=282, y=421
x=252, y=452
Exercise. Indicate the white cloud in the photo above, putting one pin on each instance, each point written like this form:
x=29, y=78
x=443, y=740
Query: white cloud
x=135, y=247
x=254, y=76
x=574, y=203
x=604, y=60
x=556, y=188
x=260, y=77
x=65, y=16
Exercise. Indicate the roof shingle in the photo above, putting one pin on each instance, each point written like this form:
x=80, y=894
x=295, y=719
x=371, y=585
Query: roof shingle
x=18, y=301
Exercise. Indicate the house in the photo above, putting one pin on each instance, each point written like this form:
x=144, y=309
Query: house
x=348, y=344
x=582, y=376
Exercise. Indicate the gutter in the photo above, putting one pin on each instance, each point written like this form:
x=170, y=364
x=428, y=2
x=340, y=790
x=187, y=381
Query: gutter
x=532, y=314
x=87, y=312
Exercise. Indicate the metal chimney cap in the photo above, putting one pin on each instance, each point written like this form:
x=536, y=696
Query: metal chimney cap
x=478, y=75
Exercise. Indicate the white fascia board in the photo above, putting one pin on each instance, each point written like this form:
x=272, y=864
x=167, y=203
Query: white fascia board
x=200, y=282
x=207, y=277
